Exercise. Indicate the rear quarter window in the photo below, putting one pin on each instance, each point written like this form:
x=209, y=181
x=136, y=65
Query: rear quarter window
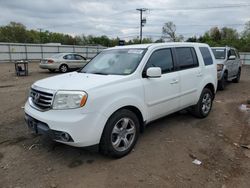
x=206, y=55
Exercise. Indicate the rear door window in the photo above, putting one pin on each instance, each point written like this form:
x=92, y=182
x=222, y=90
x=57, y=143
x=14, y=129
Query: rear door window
x=69, y=57
x=78, y=57
x=186, y=57
x=161, y=58
x=207, y=58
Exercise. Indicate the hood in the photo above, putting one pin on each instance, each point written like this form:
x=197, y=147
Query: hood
x=77, y=81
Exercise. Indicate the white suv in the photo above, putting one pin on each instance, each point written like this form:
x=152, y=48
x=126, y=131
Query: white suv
x=121, y=90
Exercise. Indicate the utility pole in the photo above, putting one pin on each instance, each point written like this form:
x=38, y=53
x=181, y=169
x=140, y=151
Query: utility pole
x=142, y=21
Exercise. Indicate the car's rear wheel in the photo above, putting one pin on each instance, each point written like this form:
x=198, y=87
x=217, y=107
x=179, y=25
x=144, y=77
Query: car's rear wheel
x=120, y=134
x=63, y=68
x=204, y=105
x=237, y=79
x=222, y=82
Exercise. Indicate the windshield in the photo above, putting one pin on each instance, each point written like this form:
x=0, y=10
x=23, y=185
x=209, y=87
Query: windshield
x=219, y=53
x=117, y=62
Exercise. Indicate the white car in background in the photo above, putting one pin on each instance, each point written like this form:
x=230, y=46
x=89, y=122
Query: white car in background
x=63, y=62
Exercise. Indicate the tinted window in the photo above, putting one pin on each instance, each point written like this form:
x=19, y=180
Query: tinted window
x=186, y=57
x=207, y=58
x=69, y=57
x=161, y=58
x=78, y=57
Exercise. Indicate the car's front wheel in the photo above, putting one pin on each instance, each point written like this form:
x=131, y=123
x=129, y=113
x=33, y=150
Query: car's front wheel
x=120, y=134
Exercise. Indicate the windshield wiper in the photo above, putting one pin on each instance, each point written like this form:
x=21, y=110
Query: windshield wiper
x=101, y=73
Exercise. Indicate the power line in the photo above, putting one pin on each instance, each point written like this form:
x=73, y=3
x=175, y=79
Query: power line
x=204, y=8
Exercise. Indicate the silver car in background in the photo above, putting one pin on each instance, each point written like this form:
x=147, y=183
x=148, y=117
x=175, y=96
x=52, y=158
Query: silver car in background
x=63, y=62
x=228, y=65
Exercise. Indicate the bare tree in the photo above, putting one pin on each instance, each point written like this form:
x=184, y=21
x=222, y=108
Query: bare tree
x=169, y=33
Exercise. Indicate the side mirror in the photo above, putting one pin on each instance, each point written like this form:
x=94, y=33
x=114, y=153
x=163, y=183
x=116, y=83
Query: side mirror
x=153, y=72
x=232, y=57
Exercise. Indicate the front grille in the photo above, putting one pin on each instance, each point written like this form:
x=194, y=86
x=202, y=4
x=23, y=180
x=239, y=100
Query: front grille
x=41, y=99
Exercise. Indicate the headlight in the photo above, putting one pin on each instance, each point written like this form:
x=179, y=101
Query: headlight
x=69, y=100
x=220, y=67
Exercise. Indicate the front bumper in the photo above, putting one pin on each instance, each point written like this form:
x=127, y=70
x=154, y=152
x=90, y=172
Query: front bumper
x=220, y=74
x=39, y=127
x=84, y=129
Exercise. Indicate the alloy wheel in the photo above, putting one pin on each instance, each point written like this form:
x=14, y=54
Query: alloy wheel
x=123, y=134
x=206, y=103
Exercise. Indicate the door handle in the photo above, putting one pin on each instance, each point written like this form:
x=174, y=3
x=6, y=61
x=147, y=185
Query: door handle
x=174, y=81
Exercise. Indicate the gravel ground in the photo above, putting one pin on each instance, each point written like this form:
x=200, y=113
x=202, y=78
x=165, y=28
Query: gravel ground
x=162, y=157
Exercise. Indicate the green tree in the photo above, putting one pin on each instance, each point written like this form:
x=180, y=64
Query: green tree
x=229, y=34
x=13, y=32
x=192, y=39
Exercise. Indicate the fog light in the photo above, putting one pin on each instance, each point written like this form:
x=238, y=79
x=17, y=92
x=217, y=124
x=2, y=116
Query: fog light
x=65, y=137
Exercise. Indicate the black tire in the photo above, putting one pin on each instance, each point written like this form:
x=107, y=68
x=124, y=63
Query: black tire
x=52, y=70
x=237, y=79
x=110, y=135
x=222, y=82
x=63, y=68
x=198, y=110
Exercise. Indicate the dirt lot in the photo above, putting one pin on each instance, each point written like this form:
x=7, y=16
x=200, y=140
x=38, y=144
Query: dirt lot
x=162, y=158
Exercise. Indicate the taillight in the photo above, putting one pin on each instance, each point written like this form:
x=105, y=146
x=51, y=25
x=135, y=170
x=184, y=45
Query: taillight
x=50, y=61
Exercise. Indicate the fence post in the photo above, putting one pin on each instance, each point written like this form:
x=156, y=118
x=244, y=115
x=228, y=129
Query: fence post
x=41, y=51
x=87, y=52
x=26, y=53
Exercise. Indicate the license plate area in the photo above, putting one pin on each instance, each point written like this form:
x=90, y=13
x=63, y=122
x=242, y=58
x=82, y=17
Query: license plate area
x=32, y=124
x=36, y=126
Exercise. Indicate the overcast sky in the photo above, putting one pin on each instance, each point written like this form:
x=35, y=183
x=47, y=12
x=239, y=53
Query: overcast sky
x=120, y=18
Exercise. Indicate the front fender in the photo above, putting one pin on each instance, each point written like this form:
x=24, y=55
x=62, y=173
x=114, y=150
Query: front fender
x=124, y=102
